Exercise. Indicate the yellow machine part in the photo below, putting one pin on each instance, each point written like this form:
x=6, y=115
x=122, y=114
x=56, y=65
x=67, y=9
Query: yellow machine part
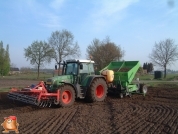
x=109, y=75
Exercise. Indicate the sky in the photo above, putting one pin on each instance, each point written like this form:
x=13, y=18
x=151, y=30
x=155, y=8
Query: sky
x=135, y=25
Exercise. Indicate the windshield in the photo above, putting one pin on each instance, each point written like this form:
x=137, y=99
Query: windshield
x=71, y=68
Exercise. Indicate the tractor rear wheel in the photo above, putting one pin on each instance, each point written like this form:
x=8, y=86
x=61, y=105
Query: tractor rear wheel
x=97, y=90
x=67, y=96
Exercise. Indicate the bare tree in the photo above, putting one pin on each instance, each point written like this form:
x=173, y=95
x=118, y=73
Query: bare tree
x=103, y=52
x=164, y=53
x=39, y=53
x=63, y=44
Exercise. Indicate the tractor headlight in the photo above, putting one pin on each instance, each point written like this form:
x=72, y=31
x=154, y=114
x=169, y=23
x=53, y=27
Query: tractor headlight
x=49, y=82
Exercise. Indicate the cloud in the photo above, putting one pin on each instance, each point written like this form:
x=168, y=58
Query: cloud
x=107, y=12
x=44, y=16
x=56, y=4
x=109, y=8
x=52, y=21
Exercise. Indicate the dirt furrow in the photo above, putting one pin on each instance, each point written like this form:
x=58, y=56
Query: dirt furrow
x=37, y=124
x=52, y=123
x=66, y=121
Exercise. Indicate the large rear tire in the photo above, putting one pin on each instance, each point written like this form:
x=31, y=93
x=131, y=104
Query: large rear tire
x=67, y=96
x=97, y=90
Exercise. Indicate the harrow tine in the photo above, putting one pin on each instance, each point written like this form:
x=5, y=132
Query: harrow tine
x=37, y=103
x=44, y=104
x=41, y=103
x=49, y=104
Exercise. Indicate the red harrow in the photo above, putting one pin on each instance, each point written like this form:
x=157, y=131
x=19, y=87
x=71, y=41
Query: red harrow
x=37, y=95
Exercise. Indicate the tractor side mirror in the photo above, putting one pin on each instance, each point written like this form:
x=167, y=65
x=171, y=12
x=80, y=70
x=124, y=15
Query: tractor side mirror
x=81, y=66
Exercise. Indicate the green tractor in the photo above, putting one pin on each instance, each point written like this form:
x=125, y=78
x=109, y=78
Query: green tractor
x=78, y=80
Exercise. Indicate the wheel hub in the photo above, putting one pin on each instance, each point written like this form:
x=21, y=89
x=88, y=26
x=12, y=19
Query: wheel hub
x=66, y=97
x=99, y=91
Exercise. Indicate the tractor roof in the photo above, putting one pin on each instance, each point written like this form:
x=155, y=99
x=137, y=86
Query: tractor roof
x=82, y=61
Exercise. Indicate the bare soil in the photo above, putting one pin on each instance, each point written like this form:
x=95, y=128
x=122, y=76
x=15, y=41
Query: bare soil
x=157, y=113
x=4, y=83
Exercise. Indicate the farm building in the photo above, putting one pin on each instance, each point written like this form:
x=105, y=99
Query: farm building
x=14, y=71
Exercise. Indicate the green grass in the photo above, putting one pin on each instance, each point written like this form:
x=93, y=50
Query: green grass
x=5, y=89
x=169, y=77
x=29, y=76
x=163, y=82
x=163, y=85
x=145, y=77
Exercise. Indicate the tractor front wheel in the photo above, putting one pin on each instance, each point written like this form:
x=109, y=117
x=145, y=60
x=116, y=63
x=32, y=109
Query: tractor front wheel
x=97, y=90
x=67, y=96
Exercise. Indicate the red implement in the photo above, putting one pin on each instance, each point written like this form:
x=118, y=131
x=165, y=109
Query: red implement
x=38, y=95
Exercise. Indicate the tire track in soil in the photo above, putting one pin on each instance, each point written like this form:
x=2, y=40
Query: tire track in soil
x=166, y=112
x=160, y=119
x=126, y=119
x=144, y=126
x=129, y=120
x=137, y=120
x=114, y=119
x=174, y=125
x=161, y=116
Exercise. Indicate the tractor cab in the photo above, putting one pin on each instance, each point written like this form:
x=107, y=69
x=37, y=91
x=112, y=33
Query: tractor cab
x=79, y=69
x=74, y=73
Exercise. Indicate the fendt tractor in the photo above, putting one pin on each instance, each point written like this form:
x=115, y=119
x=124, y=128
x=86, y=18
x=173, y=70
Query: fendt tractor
x=78, y=80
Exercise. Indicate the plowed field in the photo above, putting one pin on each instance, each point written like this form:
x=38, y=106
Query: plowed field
x=157, y=113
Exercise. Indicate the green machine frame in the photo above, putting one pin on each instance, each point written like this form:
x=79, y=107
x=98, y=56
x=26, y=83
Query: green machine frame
x=124, y=73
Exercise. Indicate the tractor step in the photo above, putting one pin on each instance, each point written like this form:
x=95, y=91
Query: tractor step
x=82, y=96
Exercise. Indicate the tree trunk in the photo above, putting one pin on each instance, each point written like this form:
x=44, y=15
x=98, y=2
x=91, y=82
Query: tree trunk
x=165, y=72
x=59, y=70
x=38, y=71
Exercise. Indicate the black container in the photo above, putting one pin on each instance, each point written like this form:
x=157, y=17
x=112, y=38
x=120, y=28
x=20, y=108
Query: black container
x=157, y=74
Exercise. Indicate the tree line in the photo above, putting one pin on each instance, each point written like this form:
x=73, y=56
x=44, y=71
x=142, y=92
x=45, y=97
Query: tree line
x=61, y=46
x=148, y=67
x=4, y=59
